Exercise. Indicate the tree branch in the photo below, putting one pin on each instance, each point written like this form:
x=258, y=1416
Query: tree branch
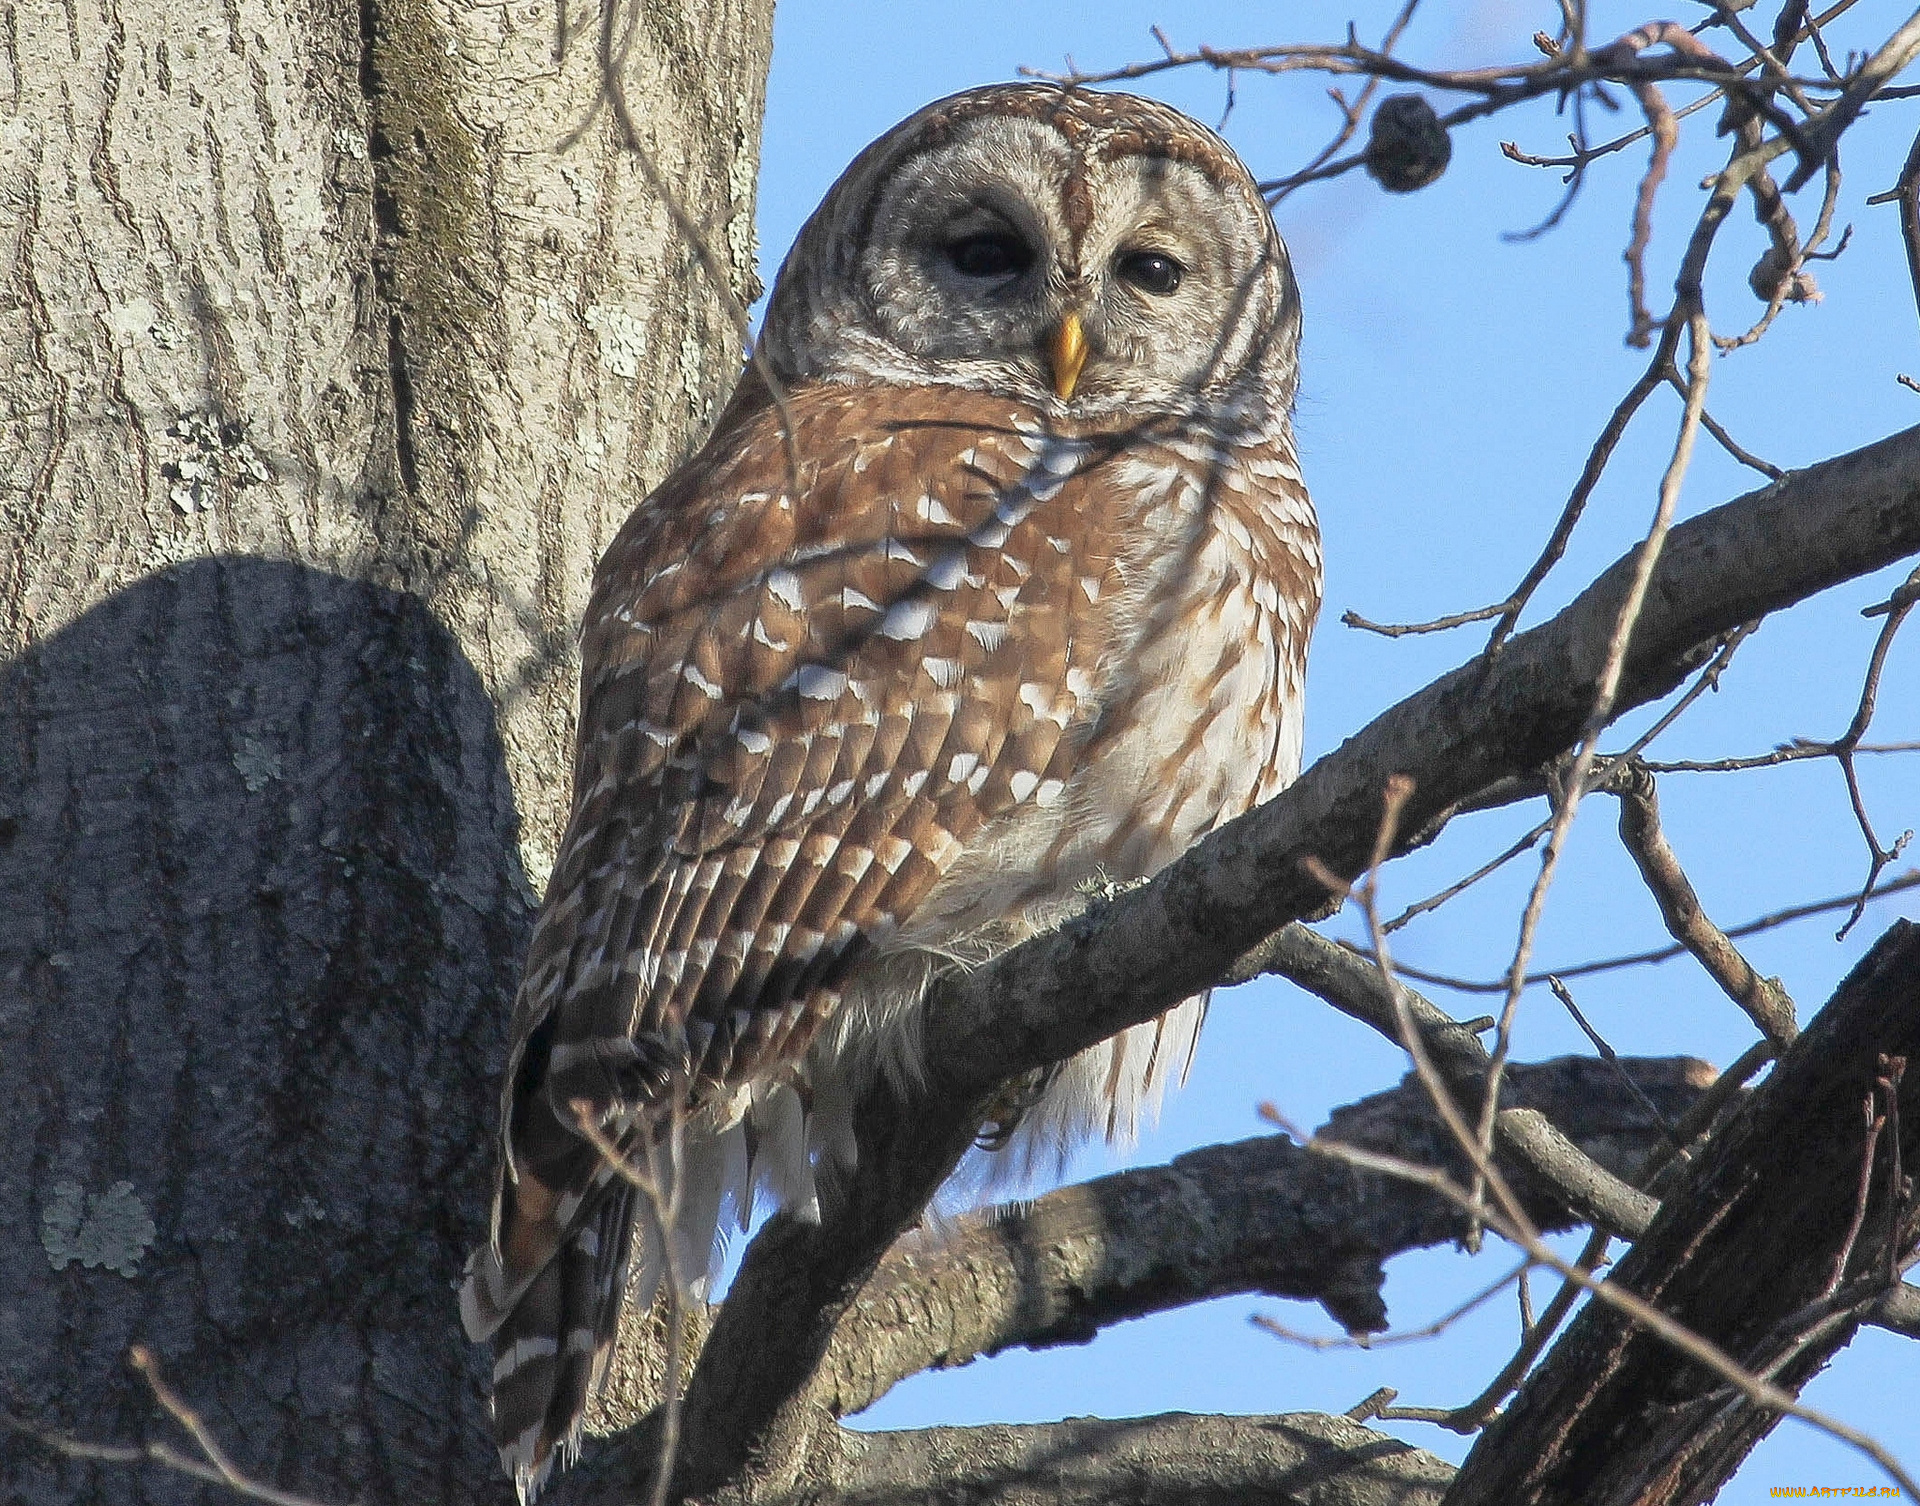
x=1261, y=1215
x=1172, y=1460
x=1782, y=1239
x=1126, y=961
x=1353, y=985
x=1766, y=1003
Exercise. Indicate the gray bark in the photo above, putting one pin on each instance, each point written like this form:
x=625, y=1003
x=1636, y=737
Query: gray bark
x=1172, y=1460
x=326, y=374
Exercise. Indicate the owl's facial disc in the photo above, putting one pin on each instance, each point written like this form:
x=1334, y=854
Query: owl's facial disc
x=1110, y=256
x=1011, y=258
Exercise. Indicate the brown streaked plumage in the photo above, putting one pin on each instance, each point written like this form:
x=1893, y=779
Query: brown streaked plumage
x=884, y=675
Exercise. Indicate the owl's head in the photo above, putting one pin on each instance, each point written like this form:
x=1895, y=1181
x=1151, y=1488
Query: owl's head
x=1097, y=255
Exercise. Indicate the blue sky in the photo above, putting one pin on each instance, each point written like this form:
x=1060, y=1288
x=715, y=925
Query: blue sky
x=1452, y=383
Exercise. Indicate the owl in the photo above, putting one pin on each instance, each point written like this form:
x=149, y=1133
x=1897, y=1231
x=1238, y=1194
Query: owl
x=995, y=582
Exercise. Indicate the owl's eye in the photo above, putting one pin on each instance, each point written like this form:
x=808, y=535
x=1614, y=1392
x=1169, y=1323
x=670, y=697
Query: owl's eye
x=1151, y=271
x=994, y=253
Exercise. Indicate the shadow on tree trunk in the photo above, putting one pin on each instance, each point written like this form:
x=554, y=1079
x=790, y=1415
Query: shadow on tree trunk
x=261, y=913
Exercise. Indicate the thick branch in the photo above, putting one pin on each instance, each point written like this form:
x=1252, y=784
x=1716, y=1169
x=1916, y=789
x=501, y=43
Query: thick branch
x=1262, y=1215
x=1172, y=1460
x=1129, y=960
x=1769, y=1250
x=1485, y=721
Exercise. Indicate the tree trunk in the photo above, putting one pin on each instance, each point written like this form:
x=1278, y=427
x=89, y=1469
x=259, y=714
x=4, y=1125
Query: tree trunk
x=327, y=370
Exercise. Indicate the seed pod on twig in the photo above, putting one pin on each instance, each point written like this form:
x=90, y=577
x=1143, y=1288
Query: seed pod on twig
x=1407, y=147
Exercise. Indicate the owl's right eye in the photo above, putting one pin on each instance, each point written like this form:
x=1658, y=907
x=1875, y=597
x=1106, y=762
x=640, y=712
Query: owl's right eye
x=994, y=253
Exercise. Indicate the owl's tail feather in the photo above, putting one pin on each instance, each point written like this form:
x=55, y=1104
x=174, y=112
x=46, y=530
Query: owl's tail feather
x=552, y=1344
x=549, y=1293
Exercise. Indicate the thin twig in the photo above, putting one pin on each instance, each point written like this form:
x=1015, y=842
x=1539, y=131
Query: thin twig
x=214, y=1468
x=1707, y=679
x=1875, y=1120
x=1438, y=1326
x=1435, y=901
x=1905, y=881
x=1611, y=1058
x=164, y=1455
x=1897, y=608
x=1725, y=440
x=1799, y=749
x=1665, y=131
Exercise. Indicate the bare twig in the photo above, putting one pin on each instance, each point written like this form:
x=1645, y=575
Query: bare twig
x=1707, y=679
x=1721, y=437
x=1353, y=619
x=1610, y=1056
x=1666, y=136
x=1779, y=277
x=213, y=1468
x=1361, y=990
x=161, y=1454
x=1434, y=901
x=1898, y=885
x=1896, y=608
x=1763, y=1000
x=1322, y=1342
x=1799, y=749
x=1874, y=1115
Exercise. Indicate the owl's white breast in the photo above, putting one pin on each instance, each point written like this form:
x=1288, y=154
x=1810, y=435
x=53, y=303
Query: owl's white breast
x=1200, y=700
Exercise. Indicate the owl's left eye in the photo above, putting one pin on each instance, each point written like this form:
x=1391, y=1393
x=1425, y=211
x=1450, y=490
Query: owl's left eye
x=994, y=253
x=1151, y=271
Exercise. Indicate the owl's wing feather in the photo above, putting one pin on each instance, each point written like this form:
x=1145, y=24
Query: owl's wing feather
x=794, y=718
x=804, y=691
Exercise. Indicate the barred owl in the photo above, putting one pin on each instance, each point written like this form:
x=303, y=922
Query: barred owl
x=1005, y=587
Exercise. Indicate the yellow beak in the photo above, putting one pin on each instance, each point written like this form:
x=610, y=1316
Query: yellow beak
x=1068, y=354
